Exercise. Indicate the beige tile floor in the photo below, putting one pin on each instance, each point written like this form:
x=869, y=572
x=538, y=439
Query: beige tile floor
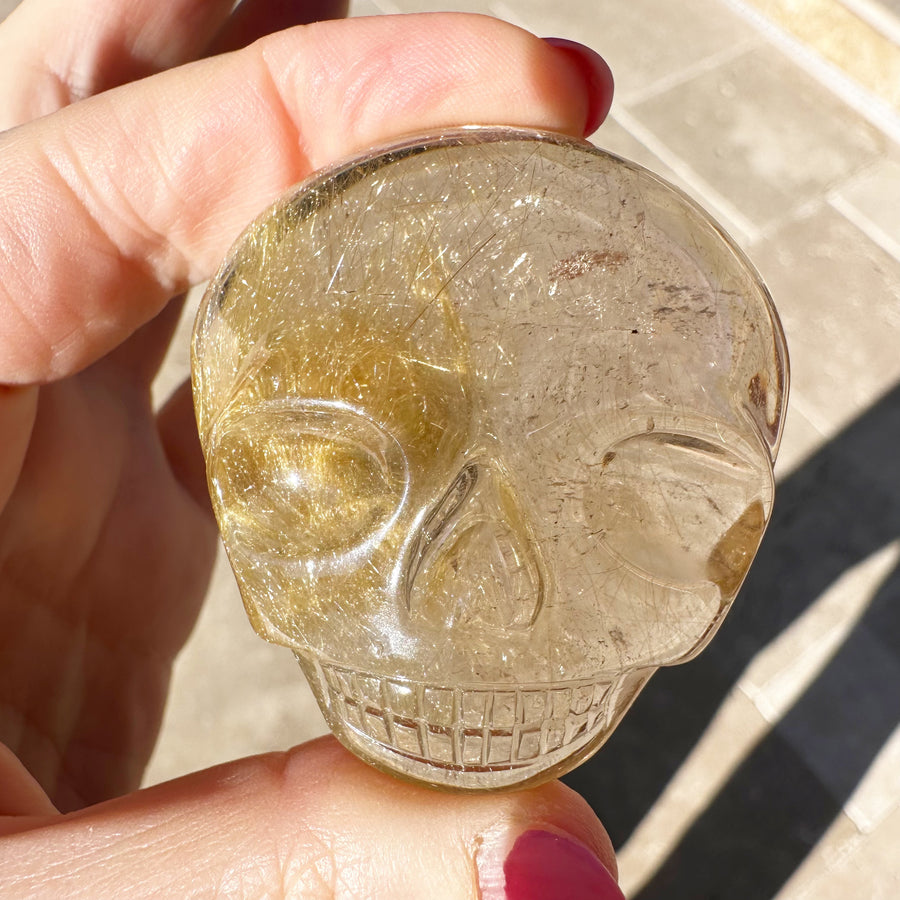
x=770, y=766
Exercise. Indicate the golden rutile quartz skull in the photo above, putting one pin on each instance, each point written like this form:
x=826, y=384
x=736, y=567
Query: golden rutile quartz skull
x=489, y=421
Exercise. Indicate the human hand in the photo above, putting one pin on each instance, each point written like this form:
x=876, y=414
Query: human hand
x=124, y=195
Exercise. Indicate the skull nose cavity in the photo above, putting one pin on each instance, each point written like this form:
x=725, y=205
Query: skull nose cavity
x=474, y=561
x=680, y=509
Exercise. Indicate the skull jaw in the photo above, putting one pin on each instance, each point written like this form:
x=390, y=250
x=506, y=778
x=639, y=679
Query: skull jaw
x=471, y=737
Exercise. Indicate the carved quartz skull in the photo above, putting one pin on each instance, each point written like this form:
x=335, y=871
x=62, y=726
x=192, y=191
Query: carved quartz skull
x=489, y=421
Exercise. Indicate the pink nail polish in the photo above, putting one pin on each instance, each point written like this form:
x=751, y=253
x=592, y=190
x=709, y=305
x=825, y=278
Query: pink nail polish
x=546, y=866
x=596, y=73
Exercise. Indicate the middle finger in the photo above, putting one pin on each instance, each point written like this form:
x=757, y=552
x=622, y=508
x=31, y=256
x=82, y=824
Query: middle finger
x=54, y=52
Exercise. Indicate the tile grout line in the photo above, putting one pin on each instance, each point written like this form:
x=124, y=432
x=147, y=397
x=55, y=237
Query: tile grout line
x=876, y=111
x=794, y=213
x=812, y=886
x=875, y=16
x=681, y=76
x=875, y=234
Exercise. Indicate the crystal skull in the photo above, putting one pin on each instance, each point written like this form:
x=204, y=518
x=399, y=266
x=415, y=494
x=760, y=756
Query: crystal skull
x=489, y=420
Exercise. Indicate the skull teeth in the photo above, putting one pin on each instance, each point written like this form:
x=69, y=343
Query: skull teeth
x=472, y=728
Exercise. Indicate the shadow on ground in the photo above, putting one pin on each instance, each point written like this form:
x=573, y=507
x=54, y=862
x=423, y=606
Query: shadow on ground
x=838, y=509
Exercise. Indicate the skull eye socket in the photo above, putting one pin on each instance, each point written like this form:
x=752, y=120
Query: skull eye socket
x=681, y=509
x=306, y=482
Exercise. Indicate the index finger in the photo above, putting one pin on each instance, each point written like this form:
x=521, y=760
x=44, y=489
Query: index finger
x=113, y=205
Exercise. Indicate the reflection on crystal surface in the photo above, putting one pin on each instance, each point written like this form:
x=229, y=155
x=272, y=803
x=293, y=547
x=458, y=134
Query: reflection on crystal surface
x=489, y=421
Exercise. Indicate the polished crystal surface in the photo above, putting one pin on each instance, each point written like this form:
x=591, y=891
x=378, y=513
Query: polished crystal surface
x=489, y=420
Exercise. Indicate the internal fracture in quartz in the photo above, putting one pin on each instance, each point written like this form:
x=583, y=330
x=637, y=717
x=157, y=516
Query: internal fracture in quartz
x=489, y=422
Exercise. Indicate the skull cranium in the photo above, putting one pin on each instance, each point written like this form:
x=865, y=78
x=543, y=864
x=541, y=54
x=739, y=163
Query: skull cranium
x=489, y=421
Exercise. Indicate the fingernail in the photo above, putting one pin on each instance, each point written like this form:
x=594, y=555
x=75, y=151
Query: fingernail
x=543, y=864
x=596, y=73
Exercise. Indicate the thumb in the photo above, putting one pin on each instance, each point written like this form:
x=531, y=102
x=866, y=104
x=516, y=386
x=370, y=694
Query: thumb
x=315, y=823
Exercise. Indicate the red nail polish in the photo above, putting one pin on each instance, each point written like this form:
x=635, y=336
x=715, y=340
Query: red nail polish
x=596, y=73
x=546, y=866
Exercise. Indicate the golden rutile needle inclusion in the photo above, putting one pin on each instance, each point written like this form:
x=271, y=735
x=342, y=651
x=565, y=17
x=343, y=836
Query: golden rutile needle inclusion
x=489, y=421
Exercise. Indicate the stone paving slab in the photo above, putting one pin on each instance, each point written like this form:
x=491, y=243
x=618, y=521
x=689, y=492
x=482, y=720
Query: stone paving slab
x=839, y=297
x=646, y=42
x=858, y=36
x=767, y=156
x=871, y=201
